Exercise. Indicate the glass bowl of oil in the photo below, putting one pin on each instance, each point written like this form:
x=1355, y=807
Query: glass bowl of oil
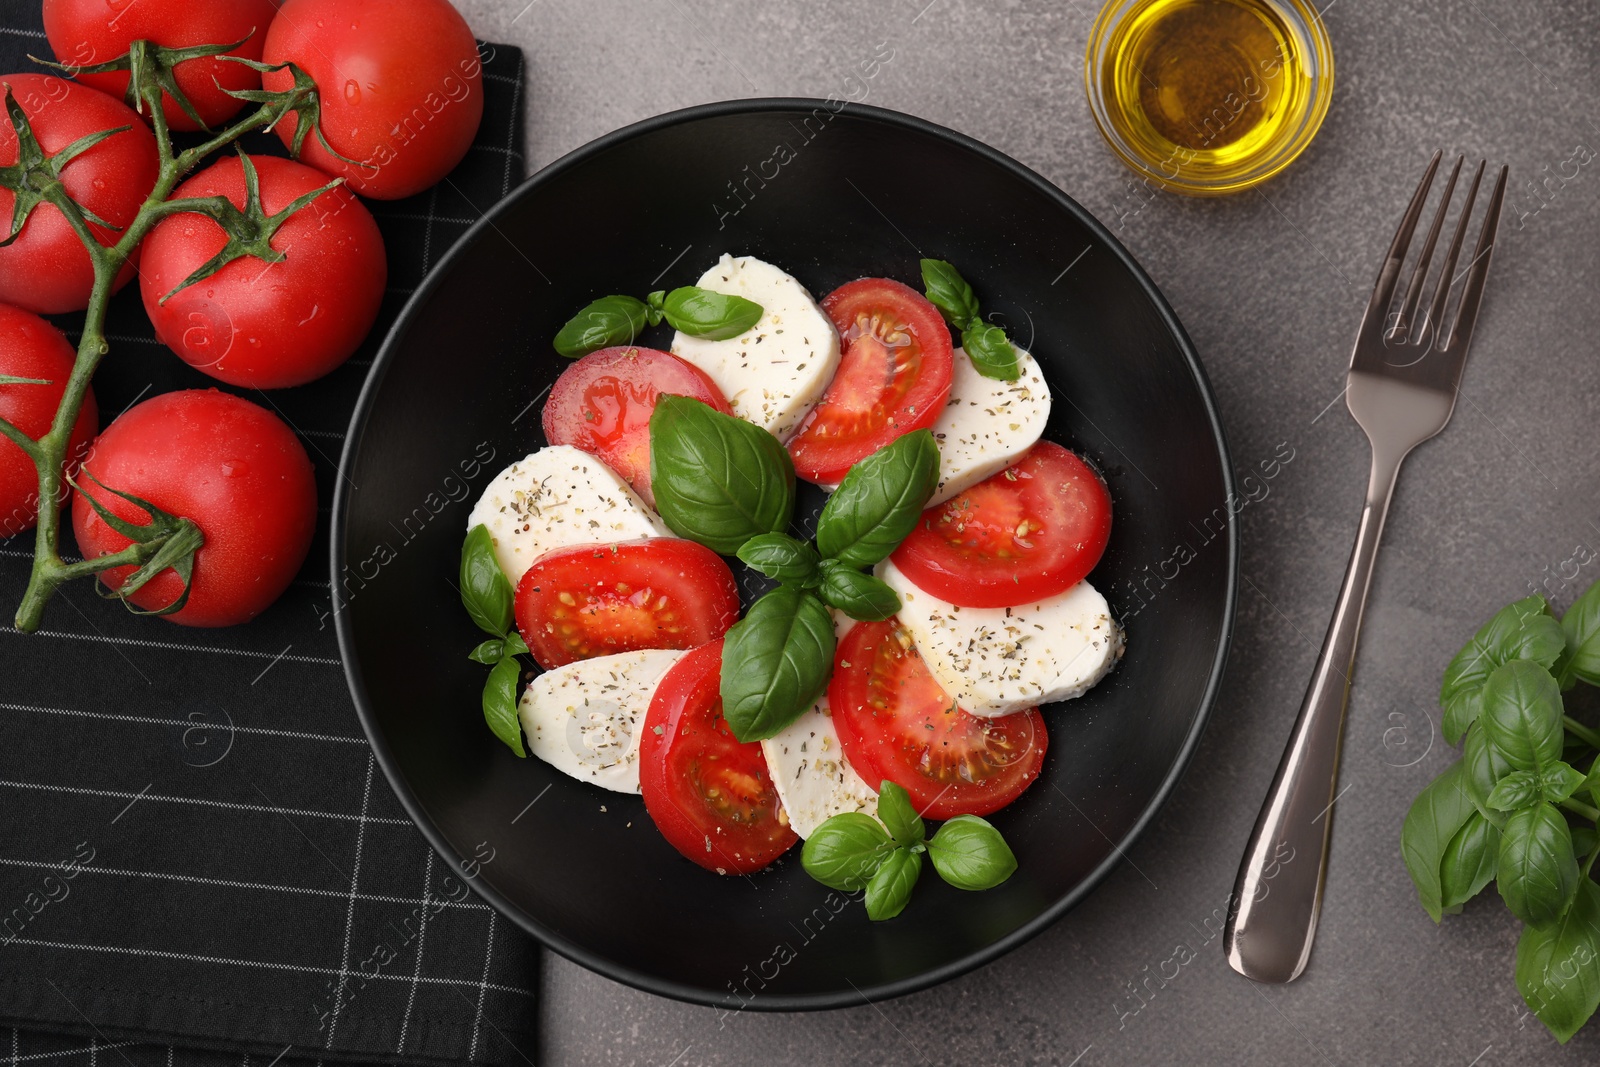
x=1207, y=97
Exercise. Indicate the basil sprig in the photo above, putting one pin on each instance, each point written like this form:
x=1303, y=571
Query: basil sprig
x=985, y=344
x=487, y=596
x=854, y=851
x=617, y=320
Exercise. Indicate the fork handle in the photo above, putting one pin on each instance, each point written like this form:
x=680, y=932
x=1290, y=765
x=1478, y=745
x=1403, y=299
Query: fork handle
x=1278, y=894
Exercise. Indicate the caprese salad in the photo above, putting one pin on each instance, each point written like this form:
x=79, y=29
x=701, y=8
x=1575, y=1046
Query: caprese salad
x=897, y=669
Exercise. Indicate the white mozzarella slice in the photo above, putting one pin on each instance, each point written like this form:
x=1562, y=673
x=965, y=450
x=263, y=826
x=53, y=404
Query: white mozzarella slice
x=842, y=624
x=584, y=718
x=814, y=781
x=775, y=371
x=555, y=498
x=995, y=661
x=988, y=424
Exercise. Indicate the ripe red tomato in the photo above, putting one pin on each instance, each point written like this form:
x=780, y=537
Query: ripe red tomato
x=602, y=404
x=596, y=600
x=401, y=87
x=233, y=468
x=32, y=348
x=896, y=722
x=1034, y=530
x=709, y=794
x=83, y=33
x=894, y=377
x=267, y=325
x=47, y=269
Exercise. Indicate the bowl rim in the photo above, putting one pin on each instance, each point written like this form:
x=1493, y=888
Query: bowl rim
x=551, y=938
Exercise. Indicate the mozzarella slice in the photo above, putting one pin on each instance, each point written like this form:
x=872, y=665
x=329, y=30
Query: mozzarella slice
x=988, y=424
x=808, y=766
x=584, y=718
x=774, y=372
x=995, y=661
x=558, y=497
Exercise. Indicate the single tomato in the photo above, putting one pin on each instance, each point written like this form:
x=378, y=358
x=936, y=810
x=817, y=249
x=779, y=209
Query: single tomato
x=32, y=348
x=258, y=324
x=1034, y=530
x=47, y=269
x=401, y=88
x=234, y=469
x=894, y=377
x=602, y=404
x=896, y=722
x=709, y=794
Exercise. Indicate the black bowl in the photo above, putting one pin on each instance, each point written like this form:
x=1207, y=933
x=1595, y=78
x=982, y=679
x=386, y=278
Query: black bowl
x=829, y=197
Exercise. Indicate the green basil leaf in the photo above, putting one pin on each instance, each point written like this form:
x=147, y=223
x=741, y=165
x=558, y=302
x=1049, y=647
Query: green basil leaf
x=1580, y=628
x=889, y=890
x=860, y=596
x=775, y=662
x=653, y=307
x=1461, y=711
x=1522, y=715
x=490, y=652
x=1560, y=781
x=611, y=320
x=500, y=704
x=1537, y=869
x=1584, y=839
x=1436, y=816
x=779, y=556
x=899, y=815
x=515, y=645
x=948, y=291
x=702, y=313
x=1522, y=630
x=718, y=480
x=1556, y=971
x=1482, y=768
x=1516, y=790
x=846, y=851
x=969, y=853
x=992, y=355
x=1469, y=861
x=879, y=501
x=485, y=591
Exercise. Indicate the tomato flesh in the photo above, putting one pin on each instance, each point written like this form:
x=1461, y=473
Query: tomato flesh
x=894, y=377
x=1034, y=530
x=709, y=794
x=896, y=722
x=602, y=404
x=32, y=348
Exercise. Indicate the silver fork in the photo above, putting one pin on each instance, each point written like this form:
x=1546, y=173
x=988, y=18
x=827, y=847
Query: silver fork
x=1404, y=375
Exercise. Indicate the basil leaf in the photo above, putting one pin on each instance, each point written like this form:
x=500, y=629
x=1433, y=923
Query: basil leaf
x=1560, y=781
x=1522, y=715
x=1556, y=972
x=1516, y=790
x=515, y=645
x=500, y=704
x=898, y=814
x=879, y=501
x=1580, y=628
x=1522, y=630
x=611, y=320
x=1436, y=816
x=702, y=313
x=992, y=355
x=775, y=662
x=1469, y=861
x=889, y=891
x=490, y=652
x=779, y=556
x=969, y=853
x=1537, y=868
x=485, y=591
x=948, y=291
x=846, y=851
x=1482, y=768
x=860, y=596
x=653, y=312
x=718, y=480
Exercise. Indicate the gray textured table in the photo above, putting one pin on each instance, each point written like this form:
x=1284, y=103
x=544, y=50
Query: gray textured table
x=1270, y=285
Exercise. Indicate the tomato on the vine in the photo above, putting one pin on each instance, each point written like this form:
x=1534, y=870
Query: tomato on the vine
x=32, y=348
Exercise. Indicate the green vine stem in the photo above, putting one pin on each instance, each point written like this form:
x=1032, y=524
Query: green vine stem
x=1581, y=732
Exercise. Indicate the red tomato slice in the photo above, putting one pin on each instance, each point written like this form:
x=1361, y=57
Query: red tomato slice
x=602, y=404
x=709, y=794
x=894, y=377
x=1034, y=530
x=597, y=600
x=896, y=722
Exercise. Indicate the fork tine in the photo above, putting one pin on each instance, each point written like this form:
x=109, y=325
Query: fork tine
x=1447, y=274
x=1389, y=273
x=1472, y=292
x=1419, y=273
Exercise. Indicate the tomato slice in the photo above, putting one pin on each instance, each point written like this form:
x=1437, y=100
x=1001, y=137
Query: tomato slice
x=894, y=377
x=597, y=600
x=602, y=404
x=896, y=722
x=709, y=794
x=1034, y=530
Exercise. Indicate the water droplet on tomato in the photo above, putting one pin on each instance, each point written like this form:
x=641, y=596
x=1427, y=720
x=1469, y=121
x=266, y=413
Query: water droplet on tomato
x=352, y=91
x=233, y=468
